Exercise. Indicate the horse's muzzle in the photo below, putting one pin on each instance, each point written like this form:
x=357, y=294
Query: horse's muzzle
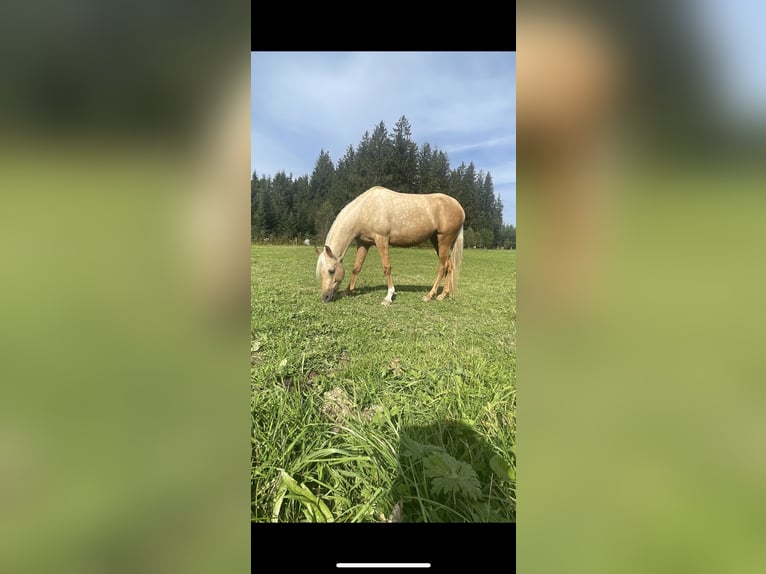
x=327, y=296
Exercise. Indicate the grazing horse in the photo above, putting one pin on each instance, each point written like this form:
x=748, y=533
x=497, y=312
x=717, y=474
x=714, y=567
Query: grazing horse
x=382, y=217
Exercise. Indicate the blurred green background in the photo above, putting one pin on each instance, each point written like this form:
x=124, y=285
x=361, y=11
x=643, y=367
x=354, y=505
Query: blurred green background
x=124, y=401
x=641, y=202
x=124, y=427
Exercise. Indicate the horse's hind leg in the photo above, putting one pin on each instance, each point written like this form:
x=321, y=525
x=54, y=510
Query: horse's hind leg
x=443, y=267
x=361, y=253
x=447, y=271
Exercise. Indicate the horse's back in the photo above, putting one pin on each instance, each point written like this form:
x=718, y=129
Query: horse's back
x=385, y=197
x=409, y=218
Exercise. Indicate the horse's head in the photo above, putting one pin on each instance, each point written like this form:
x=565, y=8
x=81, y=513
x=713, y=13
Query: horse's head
x=330, y=271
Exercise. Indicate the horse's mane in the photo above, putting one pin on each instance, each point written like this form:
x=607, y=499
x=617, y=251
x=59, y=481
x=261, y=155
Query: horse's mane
x=337, y=224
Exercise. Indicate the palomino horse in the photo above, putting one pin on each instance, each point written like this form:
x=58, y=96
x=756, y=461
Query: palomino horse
x=382, y=217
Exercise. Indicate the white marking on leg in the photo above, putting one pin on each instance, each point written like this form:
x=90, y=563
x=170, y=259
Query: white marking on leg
x=389, y=295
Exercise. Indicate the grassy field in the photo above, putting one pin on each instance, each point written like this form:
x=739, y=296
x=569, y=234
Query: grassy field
x=368, y=413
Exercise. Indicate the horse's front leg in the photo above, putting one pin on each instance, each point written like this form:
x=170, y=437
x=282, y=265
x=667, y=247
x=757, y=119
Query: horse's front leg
x=361, y=253
x=382, y=245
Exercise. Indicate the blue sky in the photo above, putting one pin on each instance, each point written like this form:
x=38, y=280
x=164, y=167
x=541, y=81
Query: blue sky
x=733, y=32
x=464, y=103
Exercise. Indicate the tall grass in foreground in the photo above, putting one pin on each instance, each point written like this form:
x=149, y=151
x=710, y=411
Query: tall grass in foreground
x=363, y=412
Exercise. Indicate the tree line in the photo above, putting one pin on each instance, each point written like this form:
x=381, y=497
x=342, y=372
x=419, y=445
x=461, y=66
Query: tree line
x=288, y=209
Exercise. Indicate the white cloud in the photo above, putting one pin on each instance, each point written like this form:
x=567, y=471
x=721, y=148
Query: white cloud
x=509, y=140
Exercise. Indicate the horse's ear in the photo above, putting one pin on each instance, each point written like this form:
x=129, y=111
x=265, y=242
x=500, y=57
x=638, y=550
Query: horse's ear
x=329, y=251
x=318, y=252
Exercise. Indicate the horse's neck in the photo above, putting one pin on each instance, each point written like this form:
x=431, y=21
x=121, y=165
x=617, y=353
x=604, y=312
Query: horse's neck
x=342, y=233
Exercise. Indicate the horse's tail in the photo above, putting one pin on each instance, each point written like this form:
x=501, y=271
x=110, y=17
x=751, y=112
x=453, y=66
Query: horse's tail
x=455, y=259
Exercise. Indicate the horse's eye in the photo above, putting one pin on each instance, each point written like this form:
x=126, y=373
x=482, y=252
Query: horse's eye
x=331, y=271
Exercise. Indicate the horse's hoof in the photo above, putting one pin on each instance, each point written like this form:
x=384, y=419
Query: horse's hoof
x=441, y=297
x=385, y=302
x=426, y=298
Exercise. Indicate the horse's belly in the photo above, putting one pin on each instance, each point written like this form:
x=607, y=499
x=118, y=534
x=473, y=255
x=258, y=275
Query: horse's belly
x=409, y=237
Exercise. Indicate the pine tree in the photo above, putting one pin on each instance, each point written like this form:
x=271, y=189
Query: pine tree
x=304, y=223
x=423, y=172
x=290, y=207
x=440, y=173
x=363, y=162
x=344, y=187
x=322, y=177
x=403, y=168
x=381, y=157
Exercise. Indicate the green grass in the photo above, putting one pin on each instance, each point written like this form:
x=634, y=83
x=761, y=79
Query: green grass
x=362, y=411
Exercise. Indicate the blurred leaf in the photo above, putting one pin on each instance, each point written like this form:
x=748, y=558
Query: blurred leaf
x=501, y=468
